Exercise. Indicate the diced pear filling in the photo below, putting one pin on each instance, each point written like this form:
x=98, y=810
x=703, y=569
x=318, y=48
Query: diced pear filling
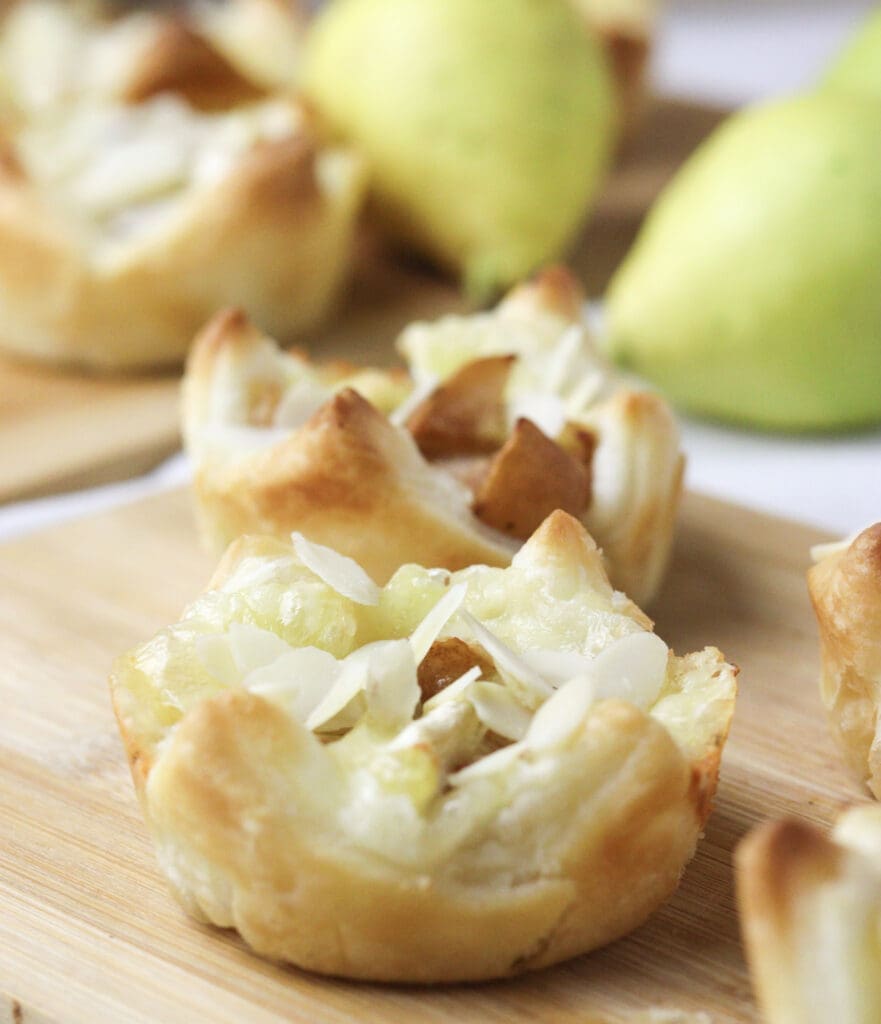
x=304, y=628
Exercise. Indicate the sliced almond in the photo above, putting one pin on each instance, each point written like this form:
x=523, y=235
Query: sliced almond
x=561, y=716
x=456, y=690
x=339, y=572
x=528, y=479
x=499, y=710
x=298, y=680
x=427, y=632
x=530, y=688
x=466, y=414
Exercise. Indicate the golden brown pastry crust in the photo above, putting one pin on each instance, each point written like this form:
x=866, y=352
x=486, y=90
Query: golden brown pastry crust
x=349, y=480
x=245, y=829
x=634, y=826
x=810, y=912
x=273, y=234
x=845, y=589
x=774, y=865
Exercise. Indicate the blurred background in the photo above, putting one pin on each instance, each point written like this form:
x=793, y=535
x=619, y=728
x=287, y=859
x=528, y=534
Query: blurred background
x=724, y=54
x=730, y=53
x=708, y=58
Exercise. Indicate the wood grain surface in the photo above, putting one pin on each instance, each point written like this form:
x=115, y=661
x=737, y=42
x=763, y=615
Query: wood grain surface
x=61, y=430
x=88, y=932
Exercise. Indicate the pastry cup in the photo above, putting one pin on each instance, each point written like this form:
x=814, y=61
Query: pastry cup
x=133, y=206
x=811, y=914
x=845, y=589
x=513, y=414
x=455, y=777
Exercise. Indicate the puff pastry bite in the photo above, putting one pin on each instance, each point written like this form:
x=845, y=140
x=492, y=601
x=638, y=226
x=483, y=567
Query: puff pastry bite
x=511, y=415
x=456, y=776
x=811, y=915
x=145, y=181
x=845, y=589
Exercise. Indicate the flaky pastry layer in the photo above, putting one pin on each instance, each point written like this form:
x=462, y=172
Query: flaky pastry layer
x=845, y=589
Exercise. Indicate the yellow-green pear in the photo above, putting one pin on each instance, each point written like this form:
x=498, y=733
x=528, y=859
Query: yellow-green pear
x=753, y=291
x=858, y=67
x=487, y=123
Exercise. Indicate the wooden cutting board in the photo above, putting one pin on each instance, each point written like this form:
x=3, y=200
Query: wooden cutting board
x=87, y=930
x=62, y=430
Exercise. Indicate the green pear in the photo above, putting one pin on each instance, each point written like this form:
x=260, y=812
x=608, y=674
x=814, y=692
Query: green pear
x=487, y=123
x=753, y=291
x=858, y=67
